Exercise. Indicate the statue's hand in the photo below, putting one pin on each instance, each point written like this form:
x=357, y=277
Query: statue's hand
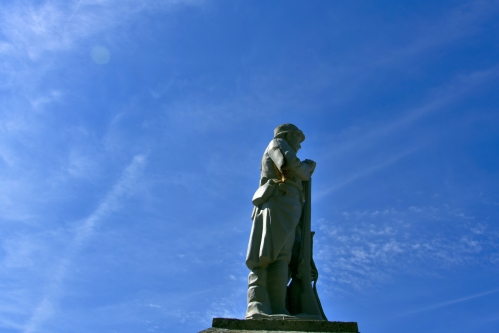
x=312, y=164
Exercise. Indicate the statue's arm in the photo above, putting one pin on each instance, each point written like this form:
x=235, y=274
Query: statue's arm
x=285, y=158
x=276, y=155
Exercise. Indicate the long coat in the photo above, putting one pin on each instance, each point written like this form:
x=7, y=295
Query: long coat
x=275, y=221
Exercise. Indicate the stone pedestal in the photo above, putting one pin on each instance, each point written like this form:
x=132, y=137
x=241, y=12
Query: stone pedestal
x=225, y=325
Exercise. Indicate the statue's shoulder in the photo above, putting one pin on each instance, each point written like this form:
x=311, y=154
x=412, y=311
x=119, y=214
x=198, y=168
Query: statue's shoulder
x=279, y=143
x=276, y=143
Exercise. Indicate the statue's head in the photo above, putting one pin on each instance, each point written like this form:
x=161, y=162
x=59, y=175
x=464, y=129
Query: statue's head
x=292, y=134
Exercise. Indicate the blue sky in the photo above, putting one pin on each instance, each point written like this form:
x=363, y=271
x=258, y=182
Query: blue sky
x=131, y=134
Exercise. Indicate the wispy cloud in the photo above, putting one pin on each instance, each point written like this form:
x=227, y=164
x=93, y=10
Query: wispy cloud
x=37, y=41
x=366, y=246
x=48, y=26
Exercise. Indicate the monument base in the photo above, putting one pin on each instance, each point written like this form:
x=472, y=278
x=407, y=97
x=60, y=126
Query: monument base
x=226, y=325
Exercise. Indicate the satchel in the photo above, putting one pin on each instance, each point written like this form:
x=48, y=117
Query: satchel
x=264, y=192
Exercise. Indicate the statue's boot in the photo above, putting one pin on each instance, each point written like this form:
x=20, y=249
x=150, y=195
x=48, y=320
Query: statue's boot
x=277, y=282
x=258, y=298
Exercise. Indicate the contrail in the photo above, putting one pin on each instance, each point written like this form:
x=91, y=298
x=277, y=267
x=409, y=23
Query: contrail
x=440, y=305
x=74, y=11
x=363, y=173
x=54, y=290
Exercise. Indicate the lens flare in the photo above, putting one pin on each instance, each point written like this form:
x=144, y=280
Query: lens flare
x=100, y=55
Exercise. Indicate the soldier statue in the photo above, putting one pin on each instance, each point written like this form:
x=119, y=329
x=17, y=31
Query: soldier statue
x=280, y=244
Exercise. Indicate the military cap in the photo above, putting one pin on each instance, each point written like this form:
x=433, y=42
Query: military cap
x=287, y=128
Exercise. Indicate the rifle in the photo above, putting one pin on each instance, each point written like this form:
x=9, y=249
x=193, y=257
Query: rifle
x=309, y=299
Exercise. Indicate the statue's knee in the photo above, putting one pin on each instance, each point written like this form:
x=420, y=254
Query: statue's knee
x=278, y=267
x=258, y=277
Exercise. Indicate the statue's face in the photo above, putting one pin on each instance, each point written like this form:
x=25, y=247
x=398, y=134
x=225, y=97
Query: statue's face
x=294, y=139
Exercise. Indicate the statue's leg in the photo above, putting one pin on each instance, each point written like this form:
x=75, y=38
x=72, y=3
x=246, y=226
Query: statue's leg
x=277, y=286
x=278, y=278
x=258, y=298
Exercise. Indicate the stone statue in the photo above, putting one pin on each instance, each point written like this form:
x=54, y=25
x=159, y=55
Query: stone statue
x=280, y=245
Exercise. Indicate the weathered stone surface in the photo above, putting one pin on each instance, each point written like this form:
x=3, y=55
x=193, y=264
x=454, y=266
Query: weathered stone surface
x=225, y=325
